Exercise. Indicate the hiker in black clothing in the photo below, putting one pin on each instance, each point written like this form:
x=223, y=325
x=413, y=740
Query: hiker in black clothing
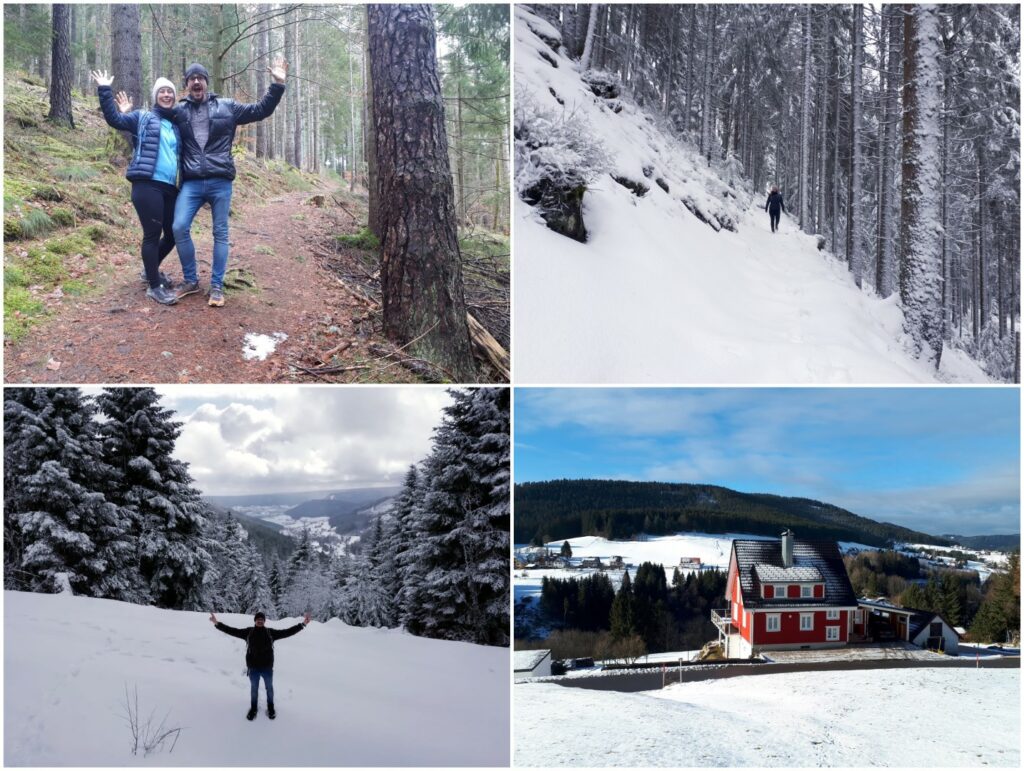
x=259, y=655
x=773, y=206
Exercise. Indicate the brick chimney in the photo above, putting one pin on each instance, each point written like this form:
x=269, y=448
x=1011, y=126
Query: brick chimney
x=787, y=548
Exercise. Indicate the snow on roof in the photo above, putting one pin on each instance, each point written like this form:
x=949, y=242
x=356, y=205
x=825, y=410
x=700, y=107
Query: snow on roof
x=527, y=661
x=822, y=556
x=769, y=573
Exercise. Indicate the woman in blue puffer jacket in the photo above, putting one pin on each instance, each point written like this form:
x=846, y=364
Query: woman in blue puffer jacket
x=153, y=171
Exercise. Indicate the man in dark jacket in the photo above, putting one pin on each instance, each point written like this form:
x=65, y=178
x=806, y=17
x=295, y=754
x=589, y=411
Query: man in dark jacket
x=259, y=655
x=207, y=124
x=773, y=206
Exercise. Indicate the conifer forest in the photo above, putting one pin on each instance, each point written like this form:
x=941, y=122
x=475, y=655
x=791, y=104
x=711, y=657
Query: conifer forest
x=97, y=503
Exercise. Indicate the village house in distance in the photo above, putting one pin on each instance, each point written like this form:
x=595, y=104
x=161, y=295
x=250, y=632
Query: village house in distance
x=795, y=595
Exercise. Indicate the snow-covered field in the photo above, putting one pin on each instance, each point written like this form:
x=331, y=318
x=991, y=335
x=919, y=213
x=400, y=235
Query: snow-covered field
x=657, y=296
x=918, y=717
x=345, y=696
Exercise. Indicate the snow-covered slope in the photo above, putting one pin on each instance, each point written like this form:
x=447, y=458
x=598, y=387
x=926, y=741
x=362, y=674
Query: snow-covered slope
x=658, y=296
x=345, y=696
x=917, y=717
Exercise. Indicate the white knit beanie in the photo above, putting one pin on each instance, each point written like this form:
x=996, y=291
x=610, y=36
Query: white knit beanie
x=163, y=83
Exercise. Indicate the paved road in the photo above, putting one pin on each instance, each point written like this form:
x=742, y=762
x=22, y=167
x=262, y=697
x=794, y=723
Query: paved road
x=652, y=680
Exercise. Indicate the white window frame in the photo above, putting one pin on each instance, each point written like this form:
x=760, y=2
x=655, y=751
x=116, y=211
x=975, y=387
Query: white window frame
x=806, y=617
x=831, y=634
x=773, y=617
x=832, y=614
x=806, y=590
x=781, y=590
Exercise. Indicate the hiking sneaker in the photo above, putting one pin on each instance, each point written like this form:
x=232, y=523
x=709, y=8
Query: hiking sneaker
x=270, y=711
x=216, y=296
x=251, y=714
x=162, y=295
x=187, y=288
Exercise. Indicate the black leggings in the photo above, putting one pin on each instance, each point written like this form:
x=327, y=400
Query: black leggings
x=154, y=203
x=774, y=214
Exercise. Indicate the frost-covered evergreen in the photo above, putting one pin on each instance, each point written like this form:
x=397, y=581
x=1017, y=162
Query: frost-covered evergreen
x=464, y=522
x=156, y=490
x=58, y=517
x=406, y=511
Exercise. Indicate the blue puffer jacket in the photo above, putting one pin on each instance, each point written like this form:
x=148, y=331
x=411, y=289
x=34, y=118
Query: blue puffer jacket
x=145, y=130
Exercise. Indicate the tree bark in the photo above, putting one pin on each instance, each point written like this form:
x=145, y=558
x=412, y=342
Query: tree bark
x=370, y=142
x=61, y=74
x=126, y=51
x=421, y=271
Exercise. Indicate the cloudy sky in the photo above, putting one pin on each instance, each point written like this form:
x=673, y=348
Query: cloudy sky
x=241, y=440
x=939, y=460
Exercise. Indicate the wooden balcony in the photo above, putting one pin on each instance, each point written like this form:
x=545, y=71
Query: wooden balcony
x=722, y=620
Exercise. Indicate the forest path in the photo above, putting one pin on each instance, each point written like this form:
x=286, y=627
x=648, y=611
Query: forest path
x=276, y=286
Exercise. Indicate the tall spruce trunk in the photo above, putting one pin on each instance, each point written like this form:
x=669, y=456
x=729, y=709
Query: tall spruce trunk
x=126, y=51
x=61, y=74
x=421, y=267
x=805, y=123
x=920, y=239
x=856, y=192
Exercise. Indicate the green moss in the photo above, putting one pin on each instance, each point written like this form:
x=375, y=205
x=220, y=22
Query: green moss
x=21, y=310
x=46, y=268
x=75, y=286
x=75, y=173
x=364, y=239
x=77, y=243
x=264, y=249
x=12, y=228
x=65, y=218
x=47, y=193
x=95, y=233
x=15, y=276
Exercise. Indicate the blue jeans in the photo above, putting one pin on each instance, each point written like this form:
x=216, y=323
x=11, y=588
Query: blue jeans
x=268, y=682
x=193, y=194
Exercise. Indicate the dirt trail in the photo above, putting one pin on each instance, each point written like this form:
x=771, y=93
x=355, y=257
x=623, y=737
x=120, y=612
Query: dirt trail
x=118, y=335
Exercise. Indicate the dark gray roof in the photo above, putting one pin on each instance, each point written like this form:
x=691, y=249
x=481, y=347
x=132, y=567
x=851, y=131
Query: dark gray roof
x=753, y=557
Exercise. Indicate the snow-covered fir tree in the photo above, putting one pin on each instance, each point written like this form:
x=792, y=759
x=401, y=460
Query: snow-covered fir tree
x=166, y=509
x=463, y=527
x=58, y=516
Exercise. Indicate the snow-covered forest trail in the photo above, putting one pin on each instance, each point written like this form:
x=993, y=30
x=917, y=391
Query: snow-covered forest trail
x=657, y=296
x=345, y=696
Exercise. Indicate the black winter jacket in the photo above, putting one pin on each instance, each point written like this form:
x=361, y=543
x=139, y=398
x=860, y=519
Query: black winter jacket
x=259, y=649
x=775, y=202
x=145, y=130
x=215, y=159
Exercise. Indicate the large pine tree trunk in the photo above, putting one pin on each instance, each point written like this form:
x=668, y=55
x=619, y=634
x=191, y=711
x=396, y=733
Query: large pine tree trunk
x=920, y=236
x=126, y=51
x=421, y=271
x=297, y=89
x=61, y=74
x=370, y=142
x=262, y=60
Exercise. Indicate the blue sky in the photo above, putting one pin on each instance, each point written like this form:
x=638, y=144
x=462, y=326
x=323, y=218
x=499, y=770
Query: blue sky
x=940, y=460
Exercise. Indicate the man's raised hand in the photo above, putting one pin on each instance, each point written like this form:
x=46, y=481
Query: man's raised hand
x=102, y=78
x=213, y=618
x=279, y=71
x=306, y=619
x=123, y=102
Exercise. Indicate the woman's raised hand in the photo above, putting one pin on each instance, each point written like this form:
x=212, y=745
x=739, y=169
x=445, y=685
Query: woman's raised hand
x=123, y=102
x=102, y=78
x=279, y=72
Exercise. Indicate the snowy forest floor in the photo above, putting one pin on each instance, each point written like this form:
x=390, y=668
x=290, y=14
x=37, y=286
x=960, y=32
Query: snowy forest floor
x=345, y=696
x=302, y=288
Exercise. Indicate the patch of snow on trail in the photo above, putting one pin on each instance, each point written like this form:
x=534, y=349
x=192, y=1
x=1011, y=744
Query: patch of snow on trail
x=257, y=346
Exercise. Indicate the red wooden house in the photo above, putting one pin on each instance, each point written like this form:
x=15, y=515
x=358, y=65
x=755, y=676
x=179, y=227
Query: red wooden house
x=786, y=594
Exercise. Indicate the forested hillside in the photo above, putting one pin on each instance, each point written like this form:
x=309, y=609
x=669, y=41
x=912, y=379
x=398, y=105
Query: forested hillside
x=320, y=192
x=550, y=511
x=891, y=131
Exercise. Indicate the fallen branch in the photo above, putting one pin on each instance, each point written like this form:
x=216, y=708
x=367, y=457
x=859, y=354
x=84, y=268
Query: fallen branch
x=357, y=294
x=344, y=208
x=488, y=348
x=326, y=355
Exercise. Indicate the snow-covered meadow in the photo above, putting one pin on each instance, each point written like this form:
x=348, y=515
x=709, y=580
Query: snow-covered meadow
x=915, y=717
x=345, y=696
x=657, y=296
